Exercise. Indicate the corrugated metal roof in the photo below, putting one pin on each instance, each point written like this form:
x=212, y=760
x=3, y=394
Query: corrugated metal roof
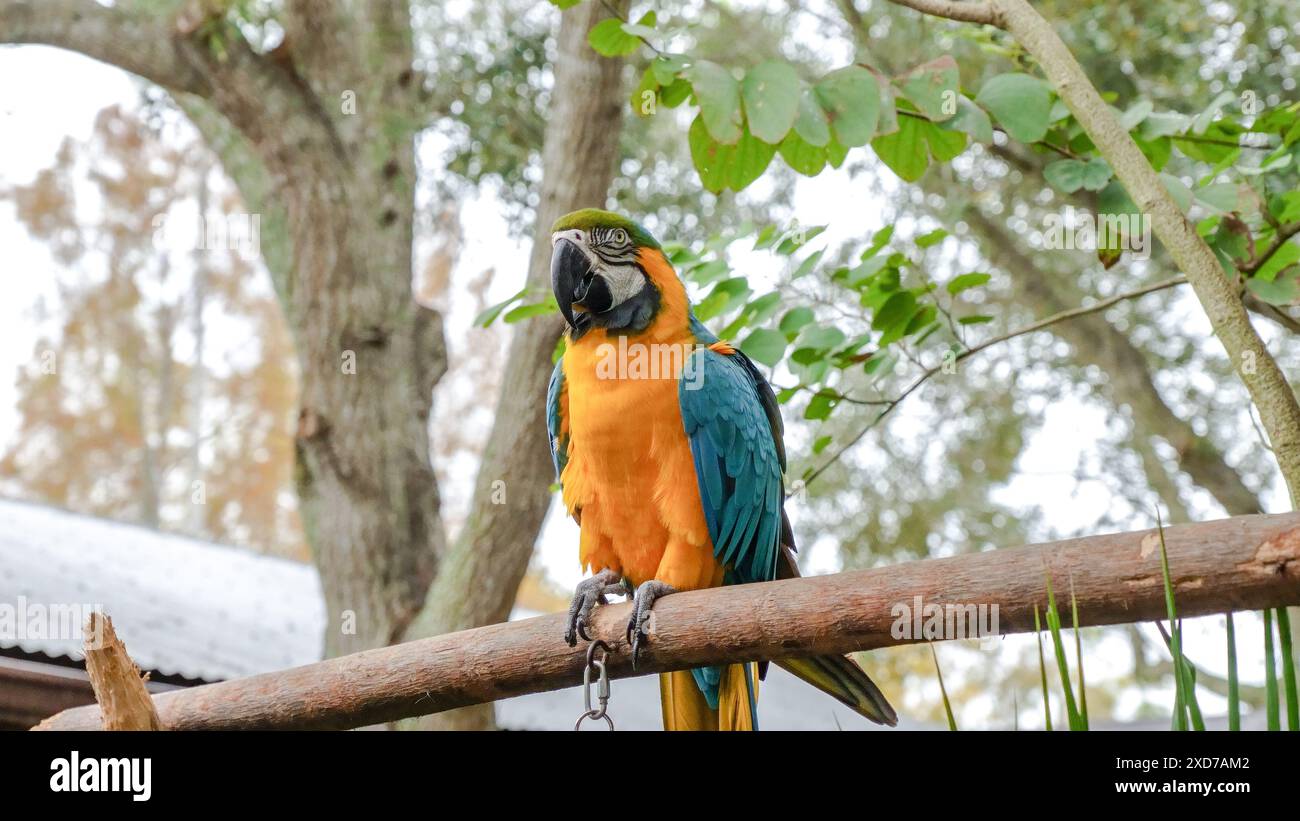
x=182, y=606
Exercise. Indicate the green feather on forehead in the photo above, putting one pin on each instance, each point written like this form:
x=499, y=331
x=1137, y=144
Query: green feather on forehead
x=589, y=218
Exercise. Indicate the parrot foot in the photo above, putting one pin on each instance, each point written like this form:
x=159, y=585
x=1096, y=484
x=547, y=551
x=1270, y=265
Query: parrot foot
x=643, y=602
x=589, y=593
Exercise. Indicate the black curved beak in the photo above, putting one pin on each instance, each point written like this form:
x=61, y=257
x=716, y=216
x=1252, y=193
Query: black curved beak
x=576, y=285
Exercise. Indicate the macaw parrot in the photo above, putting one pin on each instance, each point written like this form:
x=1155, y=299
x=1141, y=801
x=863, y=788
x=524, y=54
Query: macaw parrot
x=673, y=466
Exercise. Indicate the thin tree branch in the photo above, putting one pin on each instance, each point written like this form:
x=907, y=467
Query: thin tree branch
x=1249, y=562
x=997, y=340
x=1283, y=235
x=140, y=42
x=967, y=12
x=1271, y=312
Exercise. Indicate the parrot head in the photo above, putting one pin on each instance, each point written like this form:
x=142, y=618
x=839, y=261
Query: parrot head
x=599, y=274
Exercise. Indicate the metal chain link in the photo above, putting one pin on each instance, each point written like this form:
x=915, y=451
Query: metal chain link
x=602, y=686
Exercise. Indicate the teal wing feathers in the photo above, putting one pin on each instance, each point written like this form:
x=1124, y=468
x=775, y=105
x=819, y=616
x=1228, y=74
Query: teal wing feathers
x=738, y=461
x=555, y=420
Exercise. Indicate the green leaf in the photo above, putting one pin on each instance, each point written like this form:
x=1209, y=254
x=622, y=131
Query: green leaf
x=666, y=67
x=610, y=40
x=933, y=88
x=965, y=282
x=1203, y=120
x=879, y=240
x=820, y=337
x=794, y=321
x=1283, y=257
x=1069, y=176
x=1224, y=198
x=1281, y=290
x=806, y=159
x=1164, y=124
x=645, y=96
x=835, y=153
x=808, y=265
x=820, y=407
x=1020, y=103
x=727, y=166
x=944, y=145
x=934, y=237
x=528, y=311
x=865, y=273
x=771, y=95
x=977, y=319
x=565, y=4
x=1136, y=114
x=821, y=444
x=764, y=345
x=851, y=98
x=888, y=122
x=972, y=120
x=490, y=314
x=897, y=310
x=810, y=123
x=644, y=28
x=1177, y=189
x=718, y=94
x=762, y=309
x=675, y=93
x=904, y=151
x=921, y=319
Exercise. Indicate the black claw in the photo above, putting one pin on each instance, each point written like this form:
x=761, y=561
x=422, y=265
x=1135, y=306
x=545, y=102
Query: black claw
x=582, y=629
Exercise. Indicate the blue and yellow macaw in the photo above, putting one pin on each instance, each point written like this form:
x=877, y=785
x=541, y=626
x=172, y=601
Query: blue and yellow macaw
x=667, y=444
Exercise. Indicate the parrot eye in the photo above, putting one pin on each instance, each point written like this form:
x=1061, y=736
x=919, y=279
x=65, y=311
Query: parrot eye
x=619, y=237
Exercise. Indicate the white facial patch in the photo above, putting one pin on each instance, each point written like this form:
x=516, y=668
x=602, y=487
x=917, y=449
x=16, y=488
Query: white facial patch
x=625, y=281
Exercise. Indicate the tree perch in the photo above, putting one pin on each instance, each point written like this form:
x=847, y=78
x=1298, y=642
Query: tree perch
x=1244, y=563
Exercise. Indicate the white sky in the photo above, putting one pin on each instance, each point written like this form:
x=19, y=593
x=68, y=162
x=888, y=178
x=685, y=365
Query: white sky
x=69, y=91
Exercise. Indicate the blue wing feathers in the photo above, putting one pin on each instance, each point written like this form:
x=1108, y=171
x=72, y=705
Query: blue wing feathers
x=559, y=449
x=738, y=460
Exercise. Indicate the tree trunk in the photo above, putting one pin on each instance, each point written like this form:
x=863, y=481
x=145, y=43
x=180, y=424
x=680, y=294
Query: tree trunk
x=331, y=118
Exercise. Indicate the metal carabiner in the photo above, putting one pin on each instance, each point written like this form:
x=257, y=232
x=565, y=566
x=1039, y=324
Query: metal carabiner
x=602, y=686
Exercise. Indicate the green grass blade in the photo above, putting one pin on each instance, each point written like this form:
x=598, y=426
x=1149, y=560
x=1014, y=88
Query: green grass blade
x=1189, y=684
x=1062, y=664
x=1078, y=655
x=1234, y=689
x=1270, y=675
x=947, y=705
x=1042, y=670
x=1288, y=670
x=1188, y=675
x=1175, y=646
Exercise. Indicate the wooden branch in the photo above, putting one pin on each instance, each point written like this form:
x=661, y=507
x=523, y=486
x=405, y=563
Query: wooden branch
x=140, y=42
x=1247, y=562
x=123, y=700
x=972, y=11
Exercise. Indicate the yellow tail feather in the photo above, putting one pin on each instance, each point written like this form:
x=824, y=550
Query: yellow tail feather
x=841, y=677
x=684, y=707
